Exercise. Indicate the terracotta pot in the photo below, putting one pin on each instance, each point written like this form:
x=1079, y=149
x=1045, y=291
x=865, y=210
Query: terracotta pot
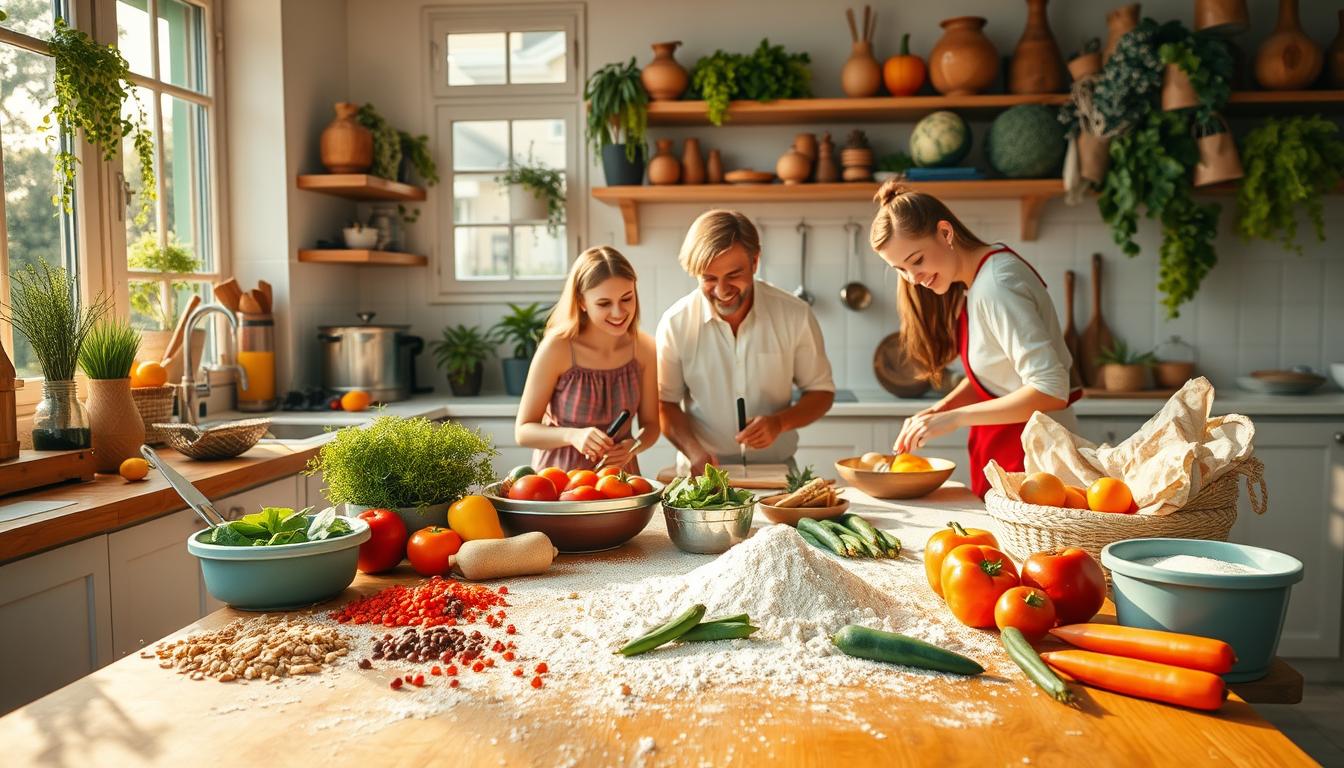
x=115, y=426
x=1037, y=66
x=1221, y=17
x=714, y=168
x=692, y=163
x=1085, y=65
x=1124, y=378
x=664, y=78
x=964, y=61
x=664, y=168
x=1288, y=60
x=1177, y=90
x=1218, y=159
x=1173, y=375
x=862, y=74
x=1334, y=58
x=1094, y=156
x=828, y=169
x=1119, y=21
x=345, y=145
x=793, y=167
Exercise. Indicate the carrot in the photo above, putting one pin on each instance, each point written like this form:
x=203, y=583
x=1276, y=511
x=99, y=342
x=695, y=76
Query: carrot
x=1145, y=679
x=1189, y=651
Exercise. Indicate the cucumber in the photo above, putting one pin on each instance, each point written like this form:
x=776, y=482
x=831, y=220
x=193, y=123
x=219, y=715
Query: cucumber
x=864, y=530
x=1022, y=654
x=666, y=633
x=810, y=539
x=740, y=618
x=705, y=633
x=822, y=534
x=893, y=543
x=874, y=644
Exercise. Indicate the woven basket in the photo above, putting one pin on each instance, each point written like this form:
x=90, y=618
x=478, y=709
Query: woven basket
x=1030, y=528
x=155, y=405
x=222, y=441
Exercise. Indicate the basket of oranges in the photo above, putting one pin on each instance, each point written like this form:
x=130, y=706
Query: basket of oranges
x=153, y=398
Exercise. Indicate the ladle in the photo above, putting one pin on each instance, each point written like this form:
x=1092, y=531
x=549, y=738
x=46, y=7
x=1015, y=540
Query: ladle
x=855, y=294
x=801, y=291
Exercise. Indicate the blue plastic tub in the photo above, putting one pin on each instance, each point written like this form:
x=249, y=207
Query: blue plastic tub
x=1244, y=610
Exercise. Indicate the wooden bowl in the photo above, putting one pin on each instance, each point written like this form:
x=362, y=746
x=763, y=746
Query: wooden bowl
x=895, y=485
x=791, y=515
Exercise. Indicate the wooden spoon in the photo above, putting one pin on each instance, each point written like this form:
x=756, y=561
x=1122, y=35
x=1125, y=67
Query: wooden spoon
x=267, y=297
x=1070, y=330
x=250, y=303
x=179, y=331
x=229, y=294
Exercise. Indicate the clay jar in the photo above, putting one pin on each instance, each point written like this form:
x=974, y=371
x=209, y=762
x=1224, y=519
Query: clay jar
x=664, y=168
x=806, y=145
x=1119, y=21
x=1218, y=158
x=714, y=168
x=964, y=61
x=1085, y=65
x=115, y=426
x=1334, y=58
x=1288, y=59
x=664, y=78
x=828, y=168
x=862, y=74
x=692, y=163
x=1037, y=66
x=345, y=145
x=793, y=167
x=1221, y=17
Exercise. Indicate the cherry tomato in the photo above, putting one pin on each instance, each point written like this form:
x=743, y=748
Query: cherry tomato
x=639, y=485
x=387, y=541
x=429, y=550
x=582, y=493
x=1073, y=580
x=608, y=471
x=533, y=488
x=557, y=477
x=613, y=487
x=1027, y=608
x=580, y=477
x=945, y=541
x=973, y=578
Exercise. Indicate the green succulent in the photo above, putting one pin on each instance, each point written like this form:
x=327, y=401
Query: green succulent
x=1119, y=353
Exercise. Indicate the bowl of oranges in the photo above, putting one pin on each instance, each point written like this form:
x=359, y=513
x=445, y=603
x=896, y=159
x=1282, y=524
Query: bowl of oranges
x=903, y=476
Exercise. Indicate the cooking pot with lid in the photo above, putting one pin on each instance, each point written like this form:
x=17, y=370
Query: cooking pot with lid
x=378, y=359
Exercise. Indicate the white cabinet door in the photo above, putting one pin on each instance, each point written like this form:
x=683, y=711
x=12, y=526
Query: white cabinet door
x=156, y=583
x=57, y=620
x=834, y=437
x=286, y=492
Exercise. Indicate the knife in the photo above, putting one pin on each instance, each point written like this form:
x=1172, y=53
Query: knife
x=741, y=425
x=612, y=431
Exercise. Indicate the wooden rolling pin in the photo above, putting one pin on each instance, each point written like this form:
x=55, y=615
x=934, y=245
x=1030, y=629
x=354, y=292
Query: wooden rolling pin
x=179, y=332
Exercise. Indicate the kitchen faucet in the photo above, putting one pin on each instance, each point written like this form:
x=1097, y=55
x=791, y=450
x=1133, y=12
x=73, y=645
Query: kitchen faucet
x=191, y=390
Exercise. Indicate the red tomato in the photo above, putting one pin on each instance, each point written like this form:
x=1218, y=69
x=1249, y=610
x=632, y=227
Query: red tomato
x=387, y=542
x=613, y=487
x=581, y=477
x=639, y=485
x=973, y=577
x=430, y=549
x=582, y=493
x=608, y=471
x=1073, y=580
x=1027, y=608
x=533, y=488
x=557, y=477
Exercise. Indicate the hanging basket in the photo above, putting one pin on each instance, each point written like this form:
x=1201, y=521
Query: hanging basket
x=526, y=205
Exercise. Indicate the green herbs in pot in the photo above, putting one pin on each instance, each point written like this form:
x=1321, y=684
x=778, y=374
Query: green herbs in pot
x=44, y=308
x=709, y=491
x=765, y=74
x=109, y=351
x=279, y=525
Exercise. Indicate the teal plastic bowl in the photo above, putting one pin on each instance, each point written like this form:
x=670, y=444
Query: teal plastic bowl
x=282, y=577
x=1244, y=610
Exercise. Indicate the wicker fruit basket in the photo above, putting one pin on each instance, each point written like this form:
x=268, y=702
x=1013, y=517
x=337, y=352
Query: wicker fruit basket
x=220, y=441
x=155, y=405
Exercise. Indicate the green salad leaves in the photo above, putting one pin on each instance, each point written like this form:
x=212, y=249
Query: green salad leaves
x=280, y=525
x=709, y=491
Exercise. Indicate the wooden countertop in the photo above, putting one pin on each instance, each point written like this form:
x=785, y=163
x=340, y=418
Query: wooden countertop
x=110, y=503
x=133, y=713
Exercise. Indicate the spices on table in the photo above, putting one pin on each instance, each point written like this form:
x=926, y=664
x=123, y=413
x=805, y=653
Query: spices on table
x=430, y=603
x=261, y=648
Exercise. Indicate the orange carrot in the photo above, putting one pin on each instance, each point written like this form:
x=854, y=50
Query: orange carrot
x=1145, y=679
x=1189, y=651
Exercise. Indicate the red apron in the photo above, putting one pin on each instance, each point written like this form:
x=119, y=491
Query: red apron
x=1002, y=442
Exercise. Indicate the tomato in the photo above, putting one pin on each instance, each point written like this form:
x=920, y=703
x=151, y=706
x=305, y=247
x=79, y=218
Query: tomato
x=639, y=485
x=608, y=471
x=533, y=488
x=580, y=477
x=387, y=541
x=430, y=549
x=582, y=493
x=613, y=487
x=973, y=578
x=1073, y=580
x=557, y=477
x=945, y=541
x=1027, y=608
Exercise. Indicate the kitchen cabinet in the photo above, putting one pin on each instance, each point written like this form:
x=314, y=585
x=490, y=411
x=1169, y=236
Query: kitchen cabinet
x=56, y=613
x=156, y=584
x=500, y=432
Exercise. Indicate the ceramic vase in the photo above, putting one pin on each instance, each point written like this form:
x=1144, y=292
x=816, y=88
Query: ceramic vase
x=1221, y=17
x=345, y=145
x=1288, y=60
x=692, y=163
x=664, y=78
x=664, y=168
x=862, y=74
x=714, y=168
x=1037, y=65
x=964, y=61
x=115, y=426
x=828, y=168
x=1334, y=58
x=793, y=167
x=1119, y=21
x=806, y=144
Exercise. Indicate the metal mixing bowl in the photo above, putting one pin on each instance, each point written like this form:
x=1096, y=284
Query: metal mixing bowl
x=578, y=526
x=708, y=531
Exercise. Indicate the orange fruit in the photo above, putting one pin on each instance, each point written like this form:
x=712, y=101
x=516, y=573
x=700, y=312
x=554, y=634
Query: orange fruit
x=134, y=469
x=1074, y=497
x=356, y=400
x=909, y=462
x=148, y=374
x=1044, y=489
x=1109, y=495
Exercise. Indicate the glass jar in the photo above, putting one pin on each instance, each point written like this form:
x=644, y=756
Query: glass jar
x=60, y=422
x=256, y=356
x=1175, y=350
x=385, y=219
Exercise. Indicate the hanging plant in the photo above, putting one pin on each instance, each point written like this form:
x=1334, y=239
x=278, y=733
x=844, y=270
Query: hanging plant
x=765, y=74
x=618, y=108
x=416, y=151
x=1289, y=162
x=386, y=142
x=157, y=300
x=1208, y=63
x=545, y=184
x=92, y=84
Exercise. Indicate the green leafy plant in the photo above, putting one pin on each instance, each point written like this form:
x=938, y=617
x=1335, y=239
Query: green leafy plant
x=386, y=142
x=545, y=184
x=765, y=74
x=279, y=525
x=1289, y=162
x=1119, y=353
x=712, y=490
x=416, y=151
x=795, y=479
x=158, y=300
x=1208, y=63
x=45, y=309
x=522, y=327
x=1130, y=82
x=92, y=84
x=618, y=108
x=399, y=463
x=109, y=351
x=461, y=350
x=896, y=162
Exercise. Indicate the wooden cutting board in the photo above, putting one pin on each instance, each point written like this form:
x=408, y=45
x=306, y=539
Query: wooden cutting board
x=1096, y=336
x=1071, y=331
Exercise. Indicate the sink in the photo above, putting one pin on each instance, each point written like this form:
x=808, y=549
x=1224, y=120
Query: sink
x=298, y=431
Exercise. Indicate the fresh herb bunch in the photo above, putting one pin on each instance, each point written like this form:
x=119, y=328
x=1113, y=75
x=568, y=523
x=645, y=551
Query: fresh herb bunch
x=461, y=350
x=546, y=184
x=44, y=308
x=1119, y=353
x=386, y=142
x=92, y=84
x=896, y=162
x=1208, y=63
x=416, y=150
x=109, y=351
x=280, y=525
x=522, y=327
x=765, y=74
x=1289, y=162
x=618, y=108
x=396, y=463
x=709, y=491
x=147, y=298
x=1130, y=83
x=795, y=479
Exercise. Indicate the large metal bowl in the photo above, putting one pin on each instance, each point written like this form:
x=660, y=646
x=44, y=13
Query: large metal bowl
x=578, y=526
x=708, y=531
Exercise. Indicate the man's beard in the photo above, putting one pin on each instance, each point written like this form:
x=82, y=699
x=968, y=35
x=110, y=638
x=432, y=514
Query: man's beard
x=729, y=309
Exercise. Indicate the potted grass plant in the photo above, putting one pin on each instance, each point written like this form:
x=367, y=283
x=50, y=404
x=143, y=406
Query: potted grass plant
x=522, y=327
x=618, y=117
x=461, y=353
x=117, y=430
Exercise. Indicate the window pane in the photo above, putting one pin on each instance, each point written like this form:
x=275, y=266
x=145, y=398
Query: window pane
x=133, y=35
x=182, y=45
x=536, y=57
x=481, y=145
x=185, y=182
x=481, y=252
x=150, y=311
x=35, y=18
x=476, y=58
x=130, y=168
x=537, y=253
x=543, y=140
x=479, y=199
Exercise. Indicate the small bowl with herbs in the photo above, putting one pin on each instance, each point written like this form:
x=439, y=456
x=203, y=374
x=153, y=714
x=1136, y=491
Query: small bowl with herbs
x=705, y=515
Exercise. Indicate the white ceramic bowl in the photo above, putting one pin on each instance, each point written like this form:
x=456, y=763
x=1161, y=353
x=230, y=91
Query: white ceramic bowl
x=360, y=238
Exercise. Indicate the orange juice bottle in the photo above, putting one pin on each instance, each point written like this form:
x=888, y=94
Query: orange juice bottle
x=256, y=356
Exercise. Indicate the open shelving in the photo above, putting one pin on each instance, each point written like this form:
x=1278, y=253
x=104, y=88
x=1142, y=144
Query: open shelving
x=363, y=256
x=361, y=187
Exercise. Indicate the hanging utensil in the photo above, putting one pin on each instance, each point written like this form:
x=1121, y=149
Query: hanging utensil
x=801, y=291
x=189, y=493
x=855, y=294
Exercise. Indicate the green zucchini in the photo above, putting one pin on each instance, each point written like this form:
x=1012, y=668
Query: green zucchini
x=822, y=534
x=874, y=644
x=705, y=633
x=665, y=633
x=1022, y=654
x=854, y=544
x=893, y=543
x=864, y=530
x=740, y=618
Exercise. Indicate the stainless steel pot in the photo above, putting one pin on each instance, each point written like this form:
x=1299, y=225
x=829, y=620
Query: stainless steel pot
x=378, y=359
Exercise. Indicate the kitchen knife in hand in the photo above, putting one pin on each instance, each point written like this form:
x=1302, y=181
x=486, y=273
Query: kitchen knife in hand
x=741, y=425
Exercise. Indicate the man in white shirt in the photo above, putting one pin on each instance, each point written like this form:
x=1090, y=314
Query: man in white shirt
x=737, y=337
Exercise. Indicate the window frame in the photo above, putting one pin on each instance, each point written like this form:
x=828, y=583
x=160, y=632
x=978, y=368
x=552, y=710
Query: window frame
x=504, y=19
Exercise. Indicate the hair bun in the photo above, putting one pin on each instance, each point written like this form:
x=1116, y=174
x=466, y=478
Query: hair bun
x=889, y=191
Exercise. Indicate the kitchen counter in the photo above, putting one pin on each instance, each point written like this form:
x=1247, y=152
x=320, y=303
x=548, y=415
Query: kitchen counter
x=134, y=713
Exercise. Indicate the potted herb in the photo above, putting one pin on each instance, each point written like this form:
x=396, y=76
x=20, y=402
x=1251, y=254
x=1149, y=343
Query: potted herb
x=1086, y=62
x=44, y=308
x=893, y=165
x=415, y=155
x=1197, y=73
x=1218, y=158
x=461, y=353
x=1123, y=370
x=618, y=117
x=765, y=74
x=117, y=429
x=416, y=467
x=536, y=193
x=522, y=327
x=386, y=142
x=1290, y=162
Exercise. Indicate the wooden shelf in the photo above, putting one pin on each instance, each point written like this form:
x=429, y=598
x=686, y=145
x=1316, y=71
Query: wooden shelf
x=1033, y=193
x=362, y=256
x=361, y=186
x=1280, y=102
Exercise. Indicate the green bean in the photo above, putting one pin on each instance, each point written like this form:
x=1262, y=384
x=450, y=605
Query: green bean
x=856, y=546
x=810, y=539
x=665, y=633
x=740, y=618
x=704, y=633
x=893, y=543
x=1022, y=654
